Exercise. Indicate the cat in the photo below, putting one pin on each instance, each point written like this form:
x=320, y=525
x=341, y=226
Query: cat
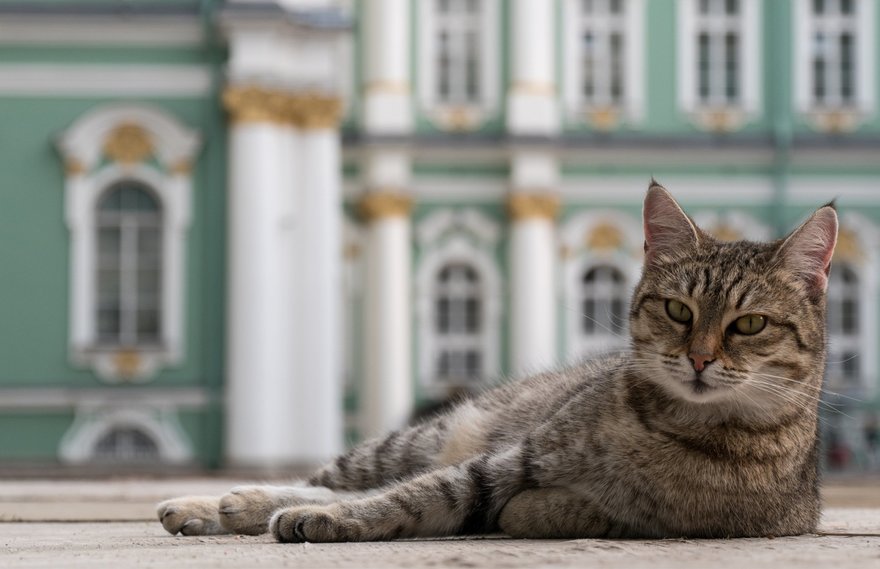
x=705, y=428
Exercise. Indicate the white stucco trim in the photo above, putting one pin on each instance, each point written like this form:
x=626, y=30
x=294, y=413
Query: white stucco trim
x=91, y=423
x=104, y=80
x=142, y=31
x=83, y=145
x=452, y=241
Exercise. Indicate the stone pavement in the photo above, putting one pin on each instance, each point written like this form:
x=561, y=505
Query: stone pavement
x=97, y=524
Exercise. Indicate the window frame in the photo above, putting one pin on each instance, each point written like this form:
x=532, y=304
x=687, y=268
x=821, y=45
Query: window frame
x=725, y=115
x=631, y=105
x=865, y=59
x=460, y=116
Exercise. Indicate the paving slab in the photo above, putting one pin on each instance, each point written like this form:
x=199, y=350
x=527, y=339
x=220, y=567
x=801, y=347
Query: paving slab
x=849, y=538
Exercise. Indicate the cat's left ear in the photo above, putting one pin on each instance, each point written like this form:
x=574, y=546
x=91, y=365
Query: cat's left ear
x=808, y=250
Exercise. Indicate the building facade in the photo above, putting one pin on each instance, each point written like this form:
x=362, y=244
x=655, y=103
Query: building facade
x=251, y=232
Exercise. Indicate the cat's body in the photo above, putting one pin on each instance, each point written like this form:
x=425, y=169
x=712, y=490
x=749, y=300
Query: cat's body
x=659, y=441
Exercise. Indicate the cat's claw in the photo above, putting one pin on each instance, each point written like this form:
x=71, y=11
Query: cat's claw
x=317, y=524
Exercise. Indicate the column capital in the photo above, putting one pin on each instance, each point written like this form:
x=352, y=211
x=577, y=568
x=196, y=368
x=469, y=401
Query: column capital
x=383, y=204
x=314, y=110
x=307, y=110
x=524, y=205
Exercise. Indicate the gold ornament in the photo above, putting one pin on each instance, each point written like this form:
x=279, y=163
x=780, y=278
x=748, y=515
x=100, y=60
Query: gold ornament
x=314, y=110
x=848, y=248
x=536, y=88
x=181, y=168
x=255, y=104
x=605, y=237
x=377, y=205
x=73, y=167
x=725, y=232
x=128, y=144
x=529, y=206
x=127, y=363
x=603, y=118
x=386, y=86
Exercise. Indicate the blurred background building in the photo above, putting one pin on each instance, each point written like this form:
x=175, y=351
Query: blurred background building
x=249, y=232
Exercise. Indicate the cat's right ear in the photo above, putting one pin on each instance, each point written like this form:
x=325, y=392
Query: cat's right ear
x=668, y=229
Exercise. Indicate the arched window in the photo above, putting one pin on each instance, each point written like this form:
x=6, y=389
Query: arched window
x=126, y=444
x=458, y=324
x=603, y=304
x=844, y=326
x=129, y=266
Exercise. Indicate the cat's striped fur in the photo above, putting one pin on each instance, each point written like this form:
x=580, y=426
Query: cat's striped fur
x=635, y=444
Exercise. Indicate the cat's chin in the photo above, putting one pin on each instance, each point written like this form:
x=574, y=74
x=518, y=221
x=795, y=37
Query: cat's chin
x=697, y=390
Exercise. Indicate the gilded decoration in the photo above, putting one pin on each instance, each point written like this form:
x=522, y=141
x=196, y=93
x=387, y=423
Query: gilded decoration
x=720, y=119
x=181, y=168
x=529, y=206
x=603, y=118
x=725, y=232
x=127, y=363
x=848, y=248
x=377, y=205
x=386, y=86
x=535, y=88
x=73, y=167
x=128, y=144
x=255, y=104
x=605, y=237
x=314, y=110
x=835, y=122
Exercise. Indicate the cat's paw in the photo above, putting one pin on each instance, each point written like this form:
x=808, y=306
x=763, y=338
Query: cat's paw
x=191, y=515
x=247, y=509
x=317, y=524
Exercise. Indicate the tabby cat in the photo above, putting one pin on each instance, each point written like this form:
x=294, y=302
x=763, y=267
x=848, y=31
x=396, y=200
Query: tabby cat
x=705, y=427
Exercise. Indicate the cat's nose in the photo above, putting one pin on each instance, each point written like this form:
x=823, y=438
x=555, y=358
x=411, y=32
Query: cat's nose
x=700, y=361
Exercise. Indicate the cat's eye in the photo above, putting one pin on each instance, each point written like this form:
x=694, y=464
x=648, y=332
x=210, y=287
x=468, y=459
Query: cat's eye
x=750, y=324
x=678, y=311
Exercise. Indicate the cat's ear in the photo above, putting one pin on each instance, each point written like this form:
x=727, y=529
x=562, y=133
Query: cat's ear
x=668, y=229
x=808, y=249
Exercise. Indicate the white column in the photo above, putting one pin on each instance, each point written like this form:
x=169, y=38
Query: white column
x=387, y=97
x=532, y=99
x=261, y=235
x=532, y=207
x=388, y=395
x=317, y=404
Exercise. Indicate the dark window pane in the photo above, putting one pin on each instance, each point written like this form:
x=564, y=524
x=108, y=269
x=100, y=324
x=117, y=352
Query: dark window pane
x=589, y=315
x=846, y=6
x=472, y=315
x=472, y=84
x=615, y=6
x=443, y=315
x=850, y=365
x=818, y=6
x=616, y=67
x=732, y=6
x=703, y=67
x=473, y=364
x=849, y=316
x=847, y=73
x=588, y=66
x=126, y=444
x=108, y=324
x=148, y=325
x=731, y=71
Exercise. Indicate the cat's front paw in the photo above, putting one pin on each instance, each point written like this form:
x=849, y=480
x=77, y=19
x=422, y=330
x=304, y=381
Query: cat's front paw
x=247, y=509
x=192, y=515
x=315, y=524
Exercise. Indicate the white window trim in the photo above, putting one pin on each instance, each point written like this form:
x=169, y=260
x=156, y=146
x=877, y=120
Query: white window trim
x=866, y=270
x=78, y=445
x=457, y=236
x=865, y=60
x=627, y=258
x=750, y=106
x=82, y=145
x=460, y=116
x=633, y=105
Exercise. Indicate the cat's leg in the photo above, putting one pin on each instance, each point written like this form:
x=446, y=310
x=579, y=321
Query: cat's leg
x=547, y=513
x=244, y=510
x=459, y=499
x=448, y=439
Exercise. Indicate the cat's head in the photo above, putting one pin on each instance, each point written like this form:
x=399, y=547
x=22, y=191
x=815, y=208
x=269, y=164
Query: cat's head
x=738, y=323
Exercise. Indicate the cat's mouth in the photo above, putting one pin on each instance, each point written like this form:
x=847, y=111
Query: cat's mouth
x=699, y=387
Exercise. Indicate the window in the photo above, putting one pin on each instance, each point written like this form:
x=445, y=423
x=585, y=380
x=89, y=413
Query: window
x=844, y=327
x=127, y=191
x=603, y=59
x=604, y=297
x=458, y=324
x=458, y=51
x=834, y=51
x=126, y=444
x=129, y=266
x=602, y=52
x=458, y=61
x=719, y=59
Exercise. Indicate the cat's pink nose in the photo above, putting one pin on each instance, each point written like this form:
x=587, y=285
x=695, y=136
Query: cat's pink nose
x=701, y=360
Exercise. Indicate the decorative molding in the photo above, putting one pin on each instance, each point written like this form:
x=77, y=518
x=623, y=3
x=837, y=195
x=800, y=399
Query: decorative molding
x=74, y=167
x=386, y=86
x=522, y=205
x=605, y=236
x=465, y=221
x=128, y=143
x=378, y=205
x=309, y=110
x=849, y=247
x=533, y=88
x=104, y=80
x=102, y=30
x=55, y=398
